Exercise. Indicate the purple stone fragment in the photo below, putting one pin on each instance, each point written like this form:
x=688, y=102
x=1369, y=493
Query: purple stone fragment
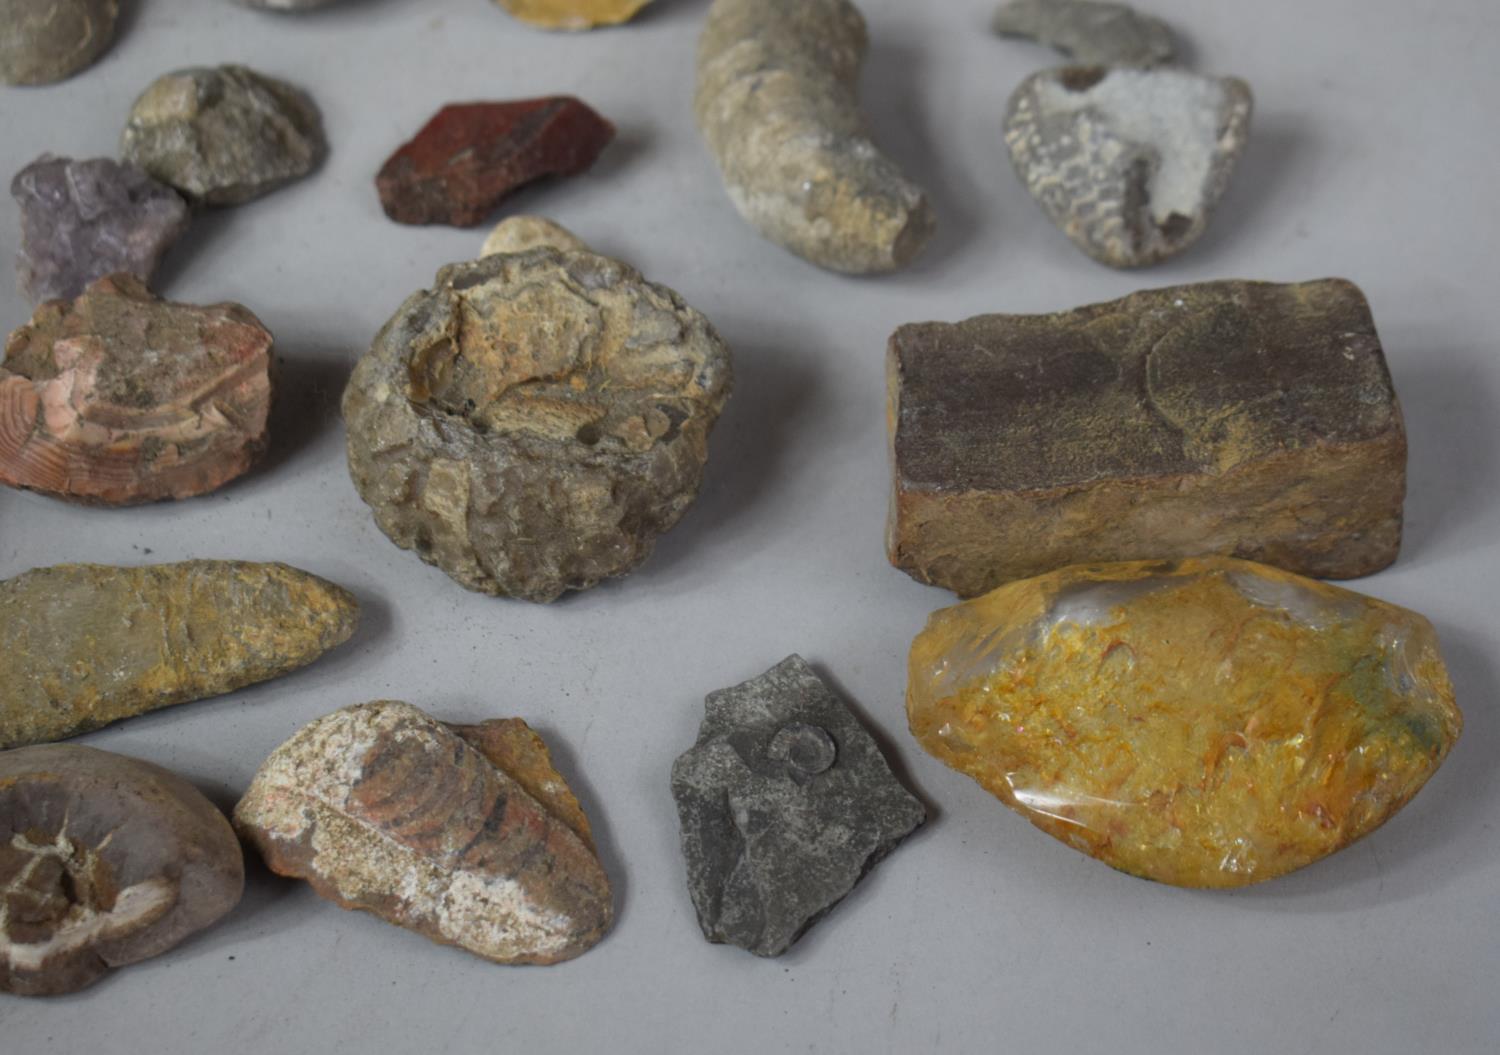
x=82, y=220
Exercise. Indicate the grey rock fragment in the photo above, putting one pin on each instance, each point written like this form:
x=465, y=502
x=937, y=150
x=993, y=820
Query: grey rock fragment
x=82, y=220
x=776, y=104
x=42, y=41
x=223, y=135
x=1090, y=33
x=1129, y=163
x=786, y=803
x=286, y=5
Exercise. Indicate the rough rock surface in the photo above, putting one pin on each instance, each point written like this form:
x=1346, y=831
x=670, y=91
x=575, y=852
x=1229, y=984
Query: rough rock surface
x=223, y=135
x=119, y=398
x=533, y=422
x=1206, y=723
x=786, y=803
x=88, y=644
x=1243, y=418
x=1090, y=33
x=382, y=808
x=83, y=220
x=471, y=155
x=573, y=14
x=104, y=861
x=776, y=102
x=517, y=234
x=42, y=41
x=1129, y=163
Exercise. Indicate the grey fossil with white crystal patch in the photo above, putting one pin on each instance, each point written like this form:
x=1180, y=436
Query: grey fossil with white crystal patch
x=1129, y=163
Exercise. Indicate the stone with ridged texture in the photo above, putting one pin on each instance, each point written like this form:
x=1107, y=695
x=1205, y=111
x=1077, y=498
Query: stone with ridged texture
x=382, y=808
x=1204, y=723
x=89, y=644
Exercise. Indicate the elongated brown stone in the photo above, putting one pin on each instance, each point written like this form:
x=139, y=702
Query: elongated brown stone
x=1239, y=418
x=464, y=834
x=88, y=644
x=118, y=397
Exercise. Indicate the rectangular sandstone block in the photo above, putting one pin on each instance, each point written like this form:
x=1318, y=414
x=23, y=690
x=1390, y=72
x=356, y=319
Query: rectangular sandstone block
x=1249, y=419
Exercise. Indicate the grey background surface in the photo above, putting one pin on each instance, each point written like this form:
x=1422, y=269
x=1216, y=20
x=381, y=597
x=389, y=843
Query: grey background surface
x=1373, y=156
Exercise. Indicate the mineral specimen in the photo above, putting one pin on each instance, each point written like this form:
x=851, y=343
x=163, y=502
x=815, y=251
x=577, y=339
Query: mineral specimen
x=464, y=834
x=1089, y=32
x=119, y=397
x=517, y=234
x=83, y=220
x=471, y=155
x=786, y=803
x=1243, y=418
x=573, y=14
x=1129, y=163
x=104, y=861
x=223, y=135
x=42, y=41
x=87, y=644
x=1206, y=723
x=532, y=423
x=776, y=103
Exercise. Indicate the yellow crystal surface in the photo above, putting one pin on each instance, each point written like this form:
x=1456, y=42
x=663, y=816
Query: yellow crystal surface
x=1206, y=723
x=573, y=14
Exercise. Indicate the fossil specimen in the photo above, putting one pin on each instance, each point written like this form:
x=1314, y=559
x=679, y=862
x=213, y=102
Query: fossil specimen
x=88, y=644
x=533, y=422
x=42, y=41
x=119, y=398
x=776, y=103
x=786, y=803
x=1207, y=723
x=464, y=834
x=104, y=861
x=1244, y=418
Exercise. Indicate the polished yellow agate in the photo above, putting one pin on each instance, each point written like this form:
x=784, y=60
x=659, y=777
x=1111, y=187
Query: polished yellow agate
x=1206, y=723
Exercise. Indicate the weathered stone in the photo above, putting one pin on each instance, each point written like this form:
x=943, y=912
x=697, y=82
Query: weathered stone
x=1206, y=723
x=464, y=834
x=776, y=102
x=42, y=41
x=286, y=5
x=1089, y=32
x=88, y=644
x=118, y=397
x=223, y=135
x=517, y=234
x=786, y=803
x=104, y=861
x=83, y=220
x=573, y=14
x=1243, y=418
x=532, y=423
x=1129, y=163
x=471, y=155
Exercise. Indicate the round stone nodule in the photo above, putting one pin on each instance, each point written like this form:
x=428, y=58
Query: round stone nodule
x=45, y=41
x=806, y=749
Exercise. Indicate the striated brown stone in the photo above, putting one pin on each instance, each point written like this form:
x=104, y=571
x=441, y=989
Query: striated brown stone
x=464, y=834
x=535, y=421
x=1240, y=418
x=119, y=397
x=471, y=155
x=104, y=861
x=88, y=644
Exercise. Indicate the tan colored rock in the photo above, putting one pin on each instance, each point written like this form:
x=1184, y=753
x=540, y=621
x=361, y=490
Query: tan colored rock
x=573, y=14
x=776, y=102
x=88, y=644
x=517, y=234
x=118, y=397
x=1240, y=418
x=382, y=808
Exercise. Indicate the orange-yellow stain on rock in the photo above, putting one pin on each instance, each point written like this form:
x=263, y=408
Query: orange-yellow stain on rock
x=1206, y=723
x=573, y=14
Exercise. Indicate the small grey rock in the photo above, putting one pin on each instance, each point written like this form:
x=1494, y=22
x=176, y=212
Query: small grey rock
x=286, y=5
x=1129, y=163
x=82, y=220
x=223, y=135
x=786, y=803
x=1089, y=32
x=42, y=41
